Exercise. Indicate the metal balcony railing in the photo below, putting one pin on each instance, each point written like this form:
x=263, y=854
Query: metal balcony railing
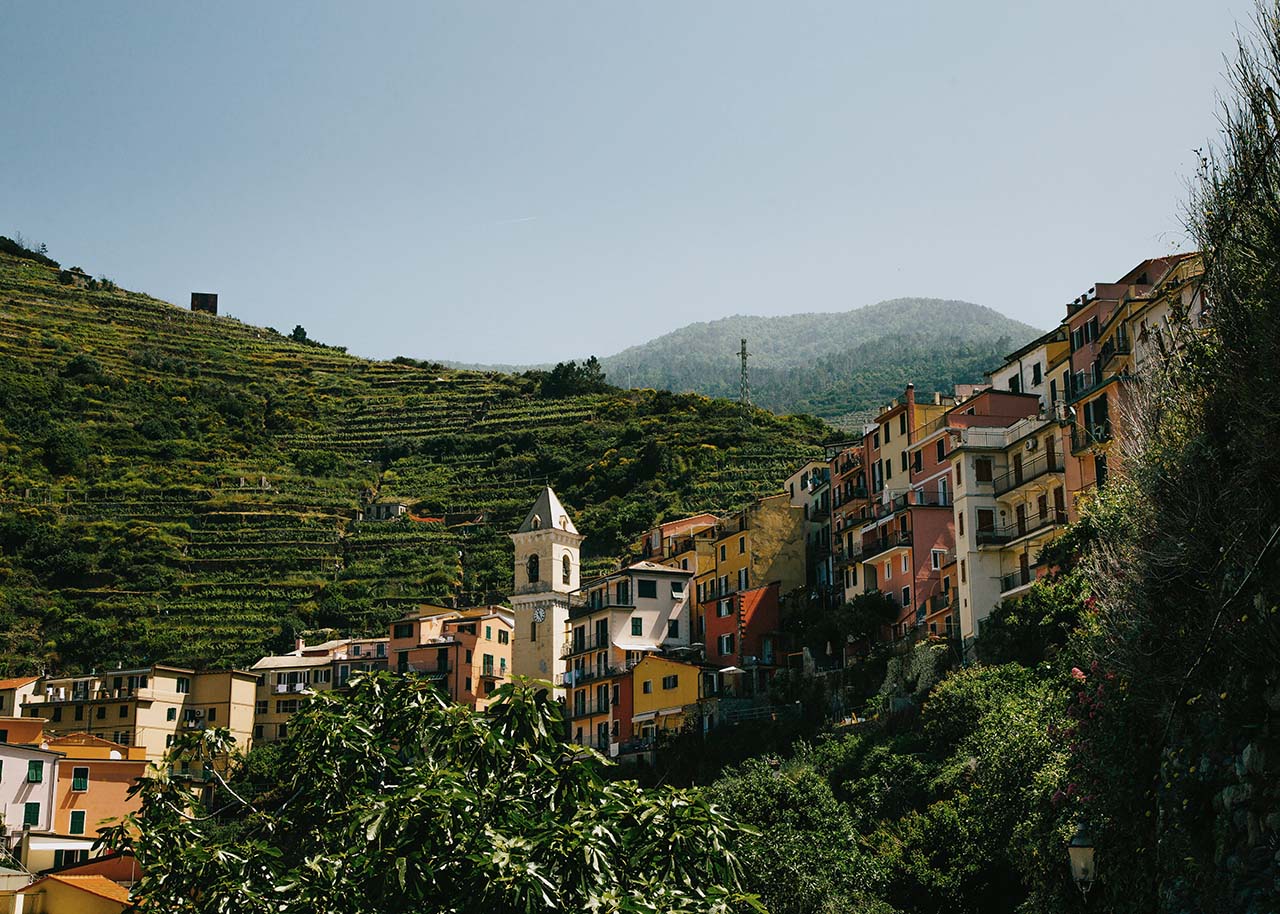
x=884, y=544
x=999, y=536
x=1029, y=470
x=1019, y=578
x=1083, y=438
x=592, y=642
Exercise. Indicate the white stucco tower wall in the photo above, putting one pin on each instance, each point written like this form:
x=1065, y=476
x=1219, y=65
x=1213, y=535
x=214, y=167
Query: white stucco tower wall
x=547, y=566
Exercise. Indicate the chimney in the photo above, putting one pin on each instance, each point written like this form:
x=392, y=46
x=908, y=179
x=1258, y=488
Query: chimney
x=299, y=644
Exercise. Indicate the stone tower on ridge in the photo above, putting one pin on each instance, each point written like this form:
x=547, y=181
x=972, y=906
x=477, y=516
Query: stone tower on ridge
x=547, y=547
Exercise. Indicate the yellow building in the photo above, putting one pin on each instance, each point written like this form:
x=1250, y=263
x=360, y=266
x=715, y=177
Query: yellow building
x=666, y=695
x=147, y=707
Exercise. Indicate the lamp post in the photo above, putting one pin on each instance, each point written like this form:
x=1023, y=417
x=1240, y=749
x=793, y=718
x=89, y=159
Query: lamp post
x=1081, y=852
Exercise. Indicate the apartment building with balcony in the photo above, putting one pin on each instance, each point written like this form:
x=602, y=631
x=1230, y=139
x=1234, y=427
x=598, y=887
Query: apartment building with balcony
x=148, y=706
x=466, y=652
x=1009, y=483
x=1115, y=331
x=614, y=622
x=744, y=642
x=668, y=696
x=674, y=543
x=285, y=681
x=849, y=503
x=809, y=488
x=761, y=544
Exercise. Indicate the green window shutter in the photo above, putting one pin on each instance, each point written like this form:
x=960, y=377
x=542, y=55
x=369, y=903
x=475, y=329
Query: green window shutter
x=80, y=779
x=77, y=822
x=31, y=814
x=35, y=772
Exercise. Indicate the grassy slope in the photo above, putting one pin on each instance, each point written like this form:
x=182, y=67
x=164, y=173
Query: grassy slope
x=134, y=437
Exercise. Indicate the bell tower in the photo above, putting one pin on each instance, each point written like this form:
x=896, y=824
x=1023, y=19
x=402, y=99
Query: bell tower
x=547, y=547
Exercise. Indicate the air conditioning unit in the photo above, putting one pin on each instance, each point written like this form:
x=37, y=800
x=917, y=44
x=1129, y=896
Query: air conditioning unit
x=197, y=713
x=1032, y=444
x=281, y=687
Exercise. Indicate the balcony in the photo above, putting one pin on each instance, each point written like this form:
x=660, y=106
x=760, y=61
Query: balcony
x=1018, y=579
x=589, y=708
x=1001, y=536
x=895, y=540
x=1117, y=345
x=593, y=642
x=1084, y=438
x=578, y=677
x=1029, y=470
x=939, y=602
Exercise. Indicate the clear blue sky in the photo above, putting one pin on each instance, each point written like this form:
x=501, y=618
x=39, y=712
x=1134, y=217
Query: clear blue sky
x=527, y=182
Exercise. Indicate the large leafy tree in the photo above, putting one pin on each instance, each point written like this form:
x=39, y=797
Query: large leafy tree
x=388, y=798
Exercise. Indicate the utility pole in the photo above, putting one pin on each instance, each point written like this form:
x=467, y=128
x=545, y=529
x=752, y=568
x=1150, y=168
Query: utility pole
x=745, y=397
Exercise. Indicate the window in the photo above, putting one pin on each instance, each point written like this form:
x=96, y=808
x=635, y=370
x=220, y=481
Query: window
x=488, y=633
x=904, y=461
x=533, y=631
x=959, y=464
x=504, y=636
x=724, y=644
x=124, y=710
x=381, y=651
x=566, y=569
x=31, y=815
x=742, y=545
x=402, y=630
x=647, y=590
x=466, y=684
x=673, y=628
x=79, y=712
x=724, y=583
x=986, y=520
x=723, y=608
x=903, y=563
x=960, y=522
x=637, y=626
x=4, y=736
x=722, y=552
x=942, y=449
x=677, y=588
x=102, y=712
x=355, y=650
x=282, y=731
x=57, y=714
x=684, y=566
x=742, y=578
x=184, y=685
x=259, y=708
x=35, y=771
x=257, y=731
x=327, y=675
x=962, y=571
x=647, y=687
x=982, y=469
x=287, y=706
x=902, y=423
x=670, y=682
x=213, y=714
x=531, y=567
x=887, y=436
x=935, y=558
x=917, y=460
x=168, y=740
x=80, y=779
x=888, y=469
x=906, y=597
x=1037, y=375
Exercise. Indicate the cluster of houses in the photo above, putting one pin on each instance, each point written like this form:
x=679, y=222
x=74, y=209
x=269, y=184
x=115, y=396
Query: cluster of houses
x=944, y=504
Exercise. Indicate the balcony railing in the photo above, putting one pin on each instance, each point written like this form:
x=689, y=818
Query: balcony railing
x=576, y=677
x=884, y=544
x=1020, y=578
x=999, y=536
x=939, y=602
x=1083, y=438
x=583, y=645
x=1029, y=470
x=590, y=707
x=1117, y=345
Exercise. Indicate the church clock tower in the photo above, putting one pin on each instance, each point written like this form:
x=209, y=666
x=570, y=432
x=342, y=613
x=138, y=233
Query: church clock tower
x=546, y=571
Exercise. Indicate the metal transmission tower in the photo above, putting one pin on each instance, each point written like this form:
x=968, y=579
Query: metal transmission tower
x=745, y=396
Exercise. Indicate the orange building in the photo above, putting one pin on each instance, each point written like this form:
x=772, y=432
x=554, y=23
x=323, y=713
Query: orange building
x=94, y=778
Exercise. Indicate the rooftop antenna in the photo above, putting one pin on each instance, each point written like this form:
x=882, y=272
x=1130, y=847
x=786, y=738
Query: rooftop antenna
x=745, y=396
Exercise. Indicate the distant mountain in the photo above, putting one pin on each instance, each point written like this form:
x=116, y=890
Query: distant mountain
x=837, y=365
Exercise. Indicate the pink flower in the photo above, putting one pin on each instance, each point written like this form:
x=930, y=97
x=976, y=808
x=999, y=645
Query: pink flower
x=1077, y=674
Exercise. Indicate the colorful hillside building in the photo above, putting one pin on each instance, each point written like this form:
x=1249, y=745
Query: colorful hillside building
x=547, y=567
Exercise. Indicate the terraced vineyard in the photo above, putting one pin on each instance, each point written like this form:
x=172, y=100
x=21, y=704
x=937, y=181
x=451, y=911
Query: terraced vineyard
x=176, y=486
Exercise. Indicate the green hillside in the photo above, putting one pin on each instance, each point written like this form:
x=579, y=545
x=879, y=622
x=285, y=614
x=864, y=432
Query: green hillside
x=182, y=487
x=836, y=365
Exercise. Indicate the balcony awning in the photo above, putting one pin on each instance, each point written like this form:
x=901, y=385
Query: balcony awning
x=635, y=644
x=641, y=718
x=667, y=712
x=436, y=676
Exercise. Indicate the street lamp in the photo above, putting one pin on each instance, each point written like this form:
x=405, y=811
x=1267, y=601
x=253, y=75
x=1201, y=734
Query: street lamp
x=1081, y=852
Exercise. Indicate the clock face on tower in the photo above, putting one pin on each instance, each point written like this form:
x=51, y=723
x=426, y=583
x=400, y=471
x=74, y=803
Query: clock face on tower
x=539, y=614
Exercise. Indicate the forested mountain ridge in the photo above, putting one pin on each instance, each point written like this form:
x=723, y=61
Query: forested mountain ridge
x=830, y=364
x=176, y=486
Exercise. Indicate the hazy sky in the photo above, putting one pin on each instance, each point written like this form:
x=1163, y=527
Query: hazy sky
x=533, y=181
